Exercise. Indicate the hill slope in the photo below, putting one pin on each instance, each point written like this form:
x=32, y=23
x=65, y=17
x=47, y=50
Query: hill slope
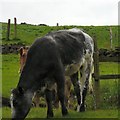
x=26, y=33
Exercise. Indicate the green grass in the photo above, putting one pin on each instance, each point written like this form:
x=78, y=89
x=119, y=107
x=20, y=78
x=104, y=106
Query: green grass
x=41, y=113
x=0, y=74
x=10, y=75
x=28, y=33
x=109, y=88
x=0, y=112
x=108, y=68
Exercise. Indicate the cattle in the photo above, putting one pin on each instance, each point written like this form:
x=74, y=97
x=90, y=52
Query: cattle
x=49, y=59
x=36, y=97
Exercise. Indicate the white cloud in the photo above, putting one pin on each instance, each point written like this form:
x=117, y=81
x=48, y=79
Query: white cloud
x=66, y=12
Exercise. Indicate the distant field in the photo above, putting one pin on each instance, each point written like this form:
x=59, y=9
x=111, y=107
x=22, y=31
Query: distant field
x=28, y=33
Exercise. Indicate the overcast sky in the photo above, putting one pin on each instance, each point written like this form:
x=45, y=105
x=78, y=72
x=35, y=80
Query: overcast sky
x=64, y=12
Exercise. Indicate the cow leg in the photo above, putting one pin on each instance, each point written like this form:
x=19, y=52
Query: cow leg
x=55, y=97
x=56, y=101
x=60, y=80
x=67, y=90
x=84, y=93
x=36, y=99
x=76, y=84
x=61, y=97
x=86, y=72
x=49, y=103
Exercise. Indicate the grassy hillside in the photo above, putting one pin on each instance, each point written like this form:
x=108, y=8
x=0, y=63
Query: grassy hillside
x=28, y=33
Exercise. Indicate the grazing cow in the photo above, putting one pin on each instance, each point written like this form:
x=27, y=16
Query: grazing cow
x=23, y=57
x=49, y=60
x=37, y=95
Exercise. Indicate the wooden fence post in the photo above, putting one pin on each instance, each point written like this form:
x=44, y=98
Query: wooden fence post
x=96, y=74
x=8, y=30
x=111, y=46
x=57, y=24
x=15, y=28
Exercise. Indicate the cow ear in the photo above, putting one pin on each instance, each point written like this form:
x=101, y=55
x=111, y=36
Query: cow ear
x=21, y=51
x=21, y=90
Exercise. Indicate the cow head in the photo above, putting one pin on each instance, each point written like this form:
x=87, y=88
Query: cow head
x=20, y=103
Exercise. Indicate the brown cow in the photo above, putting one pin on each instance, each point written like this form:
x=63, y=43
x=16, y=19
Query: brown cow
x=36, y=98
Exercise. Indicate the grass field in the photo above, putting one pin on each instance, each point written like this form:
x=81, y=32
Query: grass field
x=27, y=33
x=41, y=113
x=10, y=68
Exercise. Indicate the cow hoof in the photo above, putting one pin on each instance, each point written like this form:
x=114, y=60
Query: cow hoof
x=50, y=115
x=82, y=108
x=65, y=112
x=75, y=108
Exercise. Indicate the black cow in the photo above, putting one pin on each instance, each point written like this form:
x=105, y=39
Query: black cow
x=49, y=60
